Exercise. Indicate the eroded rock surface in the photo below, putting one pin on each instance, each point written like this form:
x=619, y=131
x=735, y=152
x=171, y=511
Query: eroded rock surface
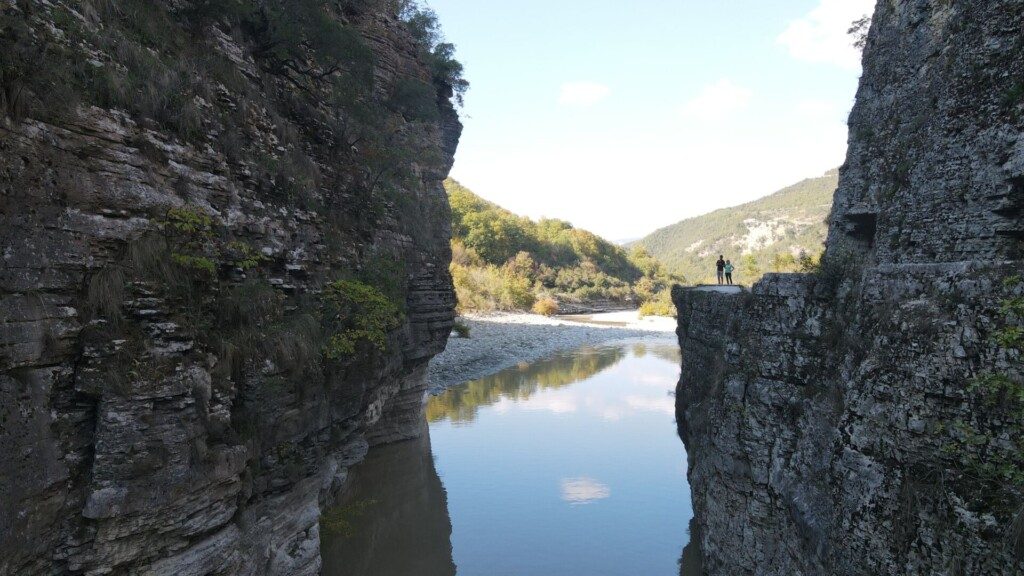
x=834, y=421
x=165, y=404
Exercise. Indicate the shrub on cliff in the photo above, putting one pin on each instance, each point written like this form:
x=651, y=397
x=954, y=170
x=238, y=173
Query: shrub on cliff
x=988, y=447
x=358, y=313
x=423, y=23
x=158, y=62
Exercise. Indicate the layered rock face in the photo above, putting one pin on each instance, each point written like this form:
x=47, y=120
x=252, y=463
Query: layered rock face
x=866, y=419
x=184, y=381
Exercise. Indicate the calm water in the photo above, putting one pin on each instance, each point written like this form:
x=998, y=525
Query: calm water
x=569, y=466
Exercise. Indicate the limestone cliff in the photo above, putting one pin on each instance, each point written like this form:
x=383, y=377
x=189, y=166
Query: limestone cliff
x=225, y=249
x=868, y=419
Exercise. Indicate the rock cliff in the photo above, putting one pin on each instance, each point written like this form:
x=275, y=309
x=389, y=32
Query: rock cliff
x=867, y=419
x=225, y=244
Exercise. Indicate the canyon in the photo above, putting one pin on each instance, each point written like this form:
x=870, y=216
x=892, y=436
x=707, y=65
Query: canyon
x=225, y=271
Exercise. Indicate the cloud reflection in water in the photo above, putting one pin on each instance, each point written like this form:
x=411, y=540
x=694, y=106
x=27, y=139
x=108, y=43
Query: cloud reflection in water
x=584, y=490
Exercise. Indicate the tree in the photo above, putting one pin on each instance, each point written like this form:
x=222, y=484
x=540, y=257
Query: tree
x=809, y=264
x=523, y=265
x=859, y=31
x=426, y=30
x=648, y=265
x=784, y=262
x=750, y=269
x=645, y=289
x=495, y=236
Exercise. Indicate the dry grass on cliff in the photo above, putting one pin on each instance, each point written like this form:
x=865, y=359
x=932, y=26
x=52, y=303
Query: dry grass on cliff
x=106, y=293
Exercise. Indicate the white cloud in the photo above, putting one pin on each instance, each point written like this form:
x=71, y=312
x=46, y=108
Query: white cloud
x=663, y=404
x=584, y=490
x=823, y=34
x=583, y=93
x=556, y=402
x=817, y=108
x=717, y=101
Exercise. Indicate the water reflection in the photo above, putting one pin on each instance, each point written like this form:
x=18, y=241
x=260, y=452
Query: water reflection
x=692, y=562
x=568, y=466
x=461, y=403
x=394, y=520
x=584, y=490
x=668, y=353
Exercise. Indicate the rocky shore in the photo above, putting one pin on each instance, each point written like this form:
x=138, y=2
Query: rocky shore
x=499, y=341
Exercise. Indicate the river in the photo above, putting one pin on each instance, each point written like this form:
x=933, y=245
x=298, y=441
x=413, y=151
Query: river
x=568, y=466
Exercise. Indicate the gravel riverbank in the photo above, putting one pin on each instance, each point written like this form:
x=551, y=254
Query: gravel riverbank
x=499, y=341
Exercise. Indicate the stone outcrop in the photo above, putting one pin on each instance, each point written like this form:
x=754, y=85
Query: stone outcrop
x=861, y=420
x=166, y=404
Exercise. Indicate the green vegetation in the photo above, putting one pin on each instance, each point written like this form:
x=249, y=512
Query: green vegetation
x=426, y=29
x=243, y=256
x=191, y=261
x=784, y=232
x=859, y=31
x=340, y=521
x=316, y=85
x=660, y=305
x=989, y=447
x=1014, y=95
x=460, y=404
x=461, y=329
x=189, y=221
x=189, y=233
x=358, y=312
x=545, y=307
x=501, y=261
x=199, y=263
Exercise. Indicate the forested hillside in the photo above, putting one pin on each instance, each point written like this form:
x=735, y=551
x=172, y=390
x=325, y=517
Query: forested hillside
x=501, y=261
x=783, y=232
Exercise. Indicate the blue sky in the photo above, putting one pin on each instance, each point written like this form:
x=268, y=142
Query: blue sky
x=622, y=117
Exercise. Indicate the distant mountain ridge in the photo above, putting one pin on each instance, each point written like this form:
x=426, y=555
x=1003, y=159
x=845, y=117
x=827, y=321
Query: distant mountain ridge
x=768, y=234
x=502, y=261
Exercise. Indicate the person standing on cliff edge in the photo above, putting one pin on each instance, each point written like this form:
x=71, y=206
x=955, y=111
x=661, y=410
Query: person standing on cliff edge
x=721, y=269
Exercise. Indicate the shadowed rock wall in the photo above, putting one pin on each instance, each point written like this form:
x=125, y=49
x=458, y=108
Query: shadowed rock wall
x=165, y=403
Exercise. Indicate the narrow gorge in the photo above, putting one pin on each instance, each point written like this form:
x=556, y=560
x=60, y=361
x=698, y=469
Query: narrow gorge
x=227, y=264
x=867, y=419
x=225, y=268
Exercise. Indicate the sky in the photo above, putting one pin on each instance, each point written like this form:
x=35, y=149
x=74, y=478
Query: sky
x=624, y=117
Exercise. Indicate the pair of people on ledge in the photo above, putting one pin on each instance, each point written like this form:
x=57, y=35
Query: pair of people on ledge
x=725, y=269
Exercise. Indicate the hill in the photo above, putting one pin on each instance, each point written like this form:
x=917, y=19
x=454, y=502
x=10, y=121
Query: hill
x=502, y=261
x=766, y=235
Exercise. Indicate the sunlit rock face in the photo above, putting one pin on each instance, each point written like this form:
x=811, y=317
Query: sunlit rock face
x=828, y=418
x=165, y=406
